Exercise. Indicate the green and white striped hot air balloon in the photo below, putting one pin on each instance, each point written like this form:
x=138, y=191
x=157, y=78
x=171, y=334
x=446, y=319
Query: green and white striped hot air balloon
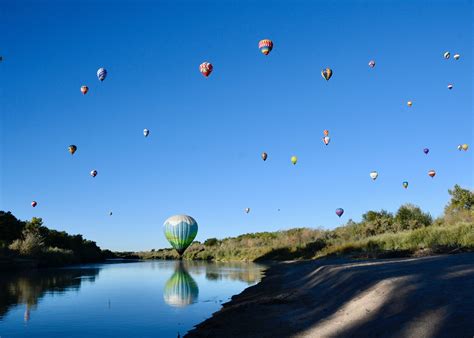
x=180, y=231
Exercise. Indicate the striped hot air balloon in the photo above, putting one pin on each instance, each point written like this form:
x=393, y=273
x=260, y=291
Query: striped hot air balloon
x=94, y=173
x=206, y=68
x=265, y=46
x=180, y=231
x=431, y=173
x=456, y=56
x=447, y=55
x=101, y=74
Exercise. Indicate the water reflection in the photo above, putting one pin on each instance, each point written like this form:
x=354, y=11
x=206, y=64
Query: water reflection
x=181, y=289
x=29, y=287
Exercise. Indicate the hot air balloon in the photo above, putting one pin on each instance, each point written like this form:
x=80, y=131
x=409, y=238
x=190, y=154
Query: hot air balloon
x=426, y=151
x=450, y=86
x=326, y=73
x=146, y=132
x=101, y=74
x=110, y=213
x=84, y=90
x=409, y=103
x=294, y=159
x=247, y=210
x=265, y=46
x=206, y=68
x=94, y=173
x=371, y=63
x=465, y=147
x=180, y=231
x=264, y=156
x=405, y=184
x=72, y=149
x=339, y=211
x=34, y=204
x=456, y=56
x=326, y=140
x=460, y=147
x=431, y=173
x=326, y=132
x=447, y=55
x=181, y=289
x=374, y=175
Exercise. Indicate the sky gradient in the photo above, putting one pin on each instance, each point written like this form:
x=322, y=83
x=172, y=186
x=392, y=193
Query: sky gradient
x=202, y=157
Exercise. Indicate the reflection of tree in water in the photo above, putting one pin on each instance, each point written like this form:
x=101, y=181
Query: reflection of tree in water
x=181, y=289
x=28, y=287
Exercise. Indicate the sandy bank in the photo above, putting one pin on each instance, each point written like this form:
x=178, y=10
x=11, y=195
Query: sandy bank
x=417, y=297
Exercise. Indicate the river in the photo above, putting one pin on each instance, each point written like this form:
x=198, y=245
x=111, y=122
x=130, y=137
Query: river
x=138, y=299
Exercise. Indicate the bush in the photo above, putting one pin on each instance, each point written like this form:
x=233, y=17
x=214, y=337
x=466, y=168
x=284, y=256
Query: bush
x=31, y=245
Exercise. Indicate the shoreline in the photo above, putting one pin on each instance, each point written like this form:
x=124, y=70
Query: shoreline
x=422, y=297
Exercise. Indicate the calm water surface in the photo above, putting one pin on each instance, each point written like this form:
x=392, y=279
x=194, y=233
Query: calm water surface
x=142, y=299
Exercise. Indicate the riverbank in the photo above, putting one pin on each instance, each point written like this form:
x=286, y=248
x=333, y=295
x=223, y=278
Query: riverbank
x=418, y=297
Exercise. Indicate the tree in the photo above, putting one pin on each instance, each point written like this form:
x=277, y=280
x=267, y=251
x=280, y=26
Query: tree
x=409, y=217
x=461, y=199
x=10, y=227
x=211, y=242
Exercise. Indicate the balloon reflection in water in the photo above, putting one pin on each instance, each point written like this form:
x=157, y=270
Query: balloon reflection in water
x=181, y=289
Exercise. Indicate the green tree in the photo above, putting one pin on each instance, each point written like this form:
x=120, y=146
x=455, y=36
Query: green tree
x=211, y=242
x=461, y=199
x=409, y=217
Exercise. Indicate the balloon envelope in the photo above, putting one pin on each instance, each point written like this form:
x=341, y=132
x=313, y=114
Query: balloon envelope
x=146, y=132
x=326, y=132
x=180, y=231
x=72, y=149
x=465, y=147
x=339, y=211
x=247, y=210
x=450, y=86
x=426, y=150
x=326, y=73
x=265, y=46
x=84, y=90
x=405, y=184
x=206, y=68
x=101, y=74
x=94, y=173
x=33, y=204
x=294, y=159
x=374, y=175
x=409, y=103
x=372, y=64
x=264, y=156
x=447, y=55
x=431, y=173
x=456, y=56
x=326, y=140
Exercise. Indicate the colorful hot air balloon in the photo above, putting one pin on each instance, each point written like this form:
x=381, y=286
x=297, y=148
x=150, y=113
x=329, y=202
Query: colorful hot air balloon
x=339, y=211
x=181, y=289
x=450, y=86
x=294, y=159
x=374, y=175
x=431, y=173
x=94, y=173
x=101, y=74
x=426, y=151
x=84, y=90
x=146, y=132
x=409, y=103
x=34, y=204
x=180, y=231
x=265, y=46
x=371, y=63
x=264, y=156
x=456, y=56
x=72, y=149
x=447, y=55
x=460, y=147
x=405, y=184
x=206, y=68
x=326, y=140
x=465, y=147
x=247, y=210
x=326, y=132
x=326, y=73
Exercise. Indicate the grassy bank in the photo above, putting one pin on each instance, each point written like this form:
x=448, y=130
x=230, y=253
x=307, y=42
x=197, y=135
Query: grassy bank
x=407, y=232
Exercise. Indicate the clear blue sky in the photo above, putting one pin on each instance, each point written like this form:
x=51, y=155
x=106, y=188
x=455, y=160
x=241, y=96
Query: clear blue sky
x=202, y=157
